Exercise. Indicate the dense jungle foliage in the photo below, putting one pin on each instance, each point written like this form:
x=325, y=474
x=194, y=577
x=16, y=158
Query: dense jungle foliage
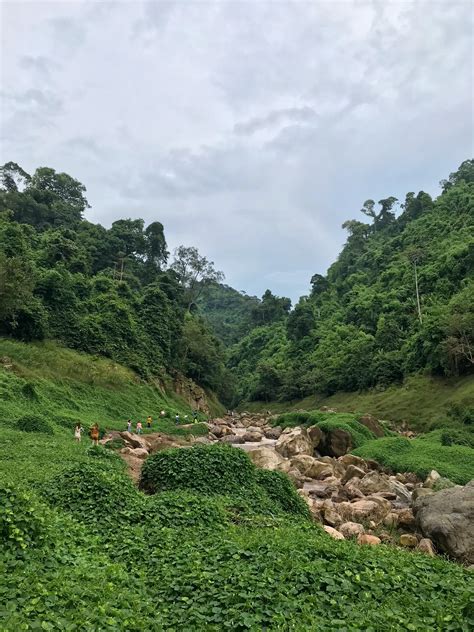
x=103, y=291
x=398, y=300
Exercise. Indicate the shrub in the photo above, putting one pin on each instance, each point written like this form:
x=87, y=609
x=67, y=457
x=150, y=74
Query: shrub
x=359, y=433
x=293, y=419
x=95, y=494
x=183, y=509
x=209, y=469
x=22, y=523
x=461, y=413
x=34, y=423
x=115, y=444
x=282, y=491
x=457, y=437
x=99, y=452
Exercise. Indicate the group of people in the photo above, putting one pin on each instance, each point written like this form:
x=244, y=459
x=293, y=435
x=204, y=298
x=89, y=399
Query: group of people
x=94, y=431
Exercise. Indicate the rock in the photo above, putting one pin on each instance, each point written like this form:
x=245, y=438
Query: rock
x=336, y=442
x=320, y=489
x=384, y=504
x=351, y=529
x=352, y=490
x=372, y=424
x=272, y=433
x=419, y=492
x=311, y=467
x=139, y=453
x=406, y=519
x=232, y=438
x=266, y=458
x=374, y=482
x=294, y=442
x=315, y=434
x=333, y=533
x=136, y=441
x=432, y=478
x=364, y=510
x=447, y=518
x=408, y=540
x=351, y=472
x=296, y=477
x=426, y=546
x=330, y=515
x=401, y=491
x=365, y=538
x=391, y=519
x=252, y=437
x=373, y=465
x=352, y=459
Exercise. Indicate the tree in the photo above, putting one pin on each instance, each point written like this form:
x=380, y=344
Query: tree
x=62, y=186
x=194, y=272
x=155, y=244
x=271, y=309
x=465, y=173
x=416, y=256
x=13, y=177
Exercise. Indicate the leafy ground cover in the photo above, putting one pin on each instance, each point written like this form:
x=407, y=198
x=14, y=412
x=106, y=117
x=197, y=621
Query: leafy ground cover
x=421, y=455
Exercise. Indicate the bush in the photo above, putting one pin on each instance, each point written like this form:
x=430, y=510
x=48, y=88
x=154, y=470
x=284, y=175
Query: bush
x=293, y=419
x=457, y=437
x=183, y=509
x=99, y=452
x=96, y=494
x=282, y=491
x=34, y=423
x=461, y=413
x=359, y=433
x=22, y=523
x=209, y=469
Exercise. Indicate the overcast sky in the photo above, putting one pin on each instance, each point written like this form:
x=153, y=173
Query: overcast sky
x=252, y=130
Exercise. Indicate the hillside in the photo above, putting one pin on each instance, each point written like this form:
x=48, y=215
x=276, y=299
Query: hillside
x=398, y=301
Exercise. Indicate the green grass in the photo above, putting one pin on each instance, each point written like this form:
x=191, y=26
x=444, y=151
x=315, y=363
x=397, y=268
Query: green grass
x=64, y=387
x=421, y=401
x=421, y=455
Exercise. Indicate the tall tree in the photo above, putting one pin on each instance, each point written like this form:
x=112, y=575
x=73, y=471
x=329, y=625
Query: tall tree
x=194, y=272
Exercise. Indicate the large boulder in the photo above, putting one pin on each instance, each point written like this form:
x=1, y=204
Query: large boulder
x=272, y=433
x=334, y=533
x=351, y=529
x=294, y=442
x=372, y=424
x=134, y=440
x=364, y=510
x=352, y=459
x=374, y=482
x=315, y=434
x=252, y=437
x=311, y=467
x=336, y=442
x=447, y=518
x=266, y=458
x=352, y=472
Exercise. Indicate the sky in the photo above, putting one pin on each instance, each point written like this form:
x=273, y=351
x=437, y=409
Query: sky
x=250, y=129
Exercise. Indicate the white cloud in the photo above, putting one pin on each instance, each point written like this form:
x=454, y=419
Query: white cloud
x=251, y=130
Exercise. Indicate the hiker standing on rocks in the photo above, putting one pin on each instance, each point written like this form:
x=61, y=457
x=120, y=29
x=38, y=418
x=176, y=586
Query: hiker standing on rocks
x=177, y=418
x=139, y=427
x=129, y=425
x=195, y=416
x=148, y=421
x=94, y=434
x=78, y=432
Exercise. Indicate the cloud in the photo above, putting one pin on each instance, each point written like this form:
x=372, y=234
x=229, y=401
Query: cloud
x=251, y=130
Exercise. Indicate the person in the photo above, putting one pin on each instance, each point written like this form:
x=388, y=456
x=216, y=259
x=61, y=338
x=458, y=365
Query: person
x=148, y=421
x=139, y=427
x=177, y=418
x=195, y=415
x=129, y=425
x=77, y=432
x=94, y=434
x=163, y=413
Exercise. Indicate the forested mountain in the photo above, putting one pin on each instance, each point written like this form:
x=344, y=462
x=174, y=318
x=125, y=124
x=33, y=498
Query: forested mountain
x=103, y=291
x=398, y=300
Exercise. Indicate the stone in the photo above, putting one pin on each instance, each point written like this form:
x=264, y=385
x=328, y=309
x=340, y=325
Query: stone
x=363, y=510
x=320, y=489
x=311, y=467
x=432, y=478
x=372, y=424
x=336, y=442
x=408, y=540
x=351, y=529
x=272, y=433
x=352, y=490
x=136, y=441
x=330, y=515
x=401, y=491
x=374, y=482
x=425, y=545
x=384, y=505
x=406, y=519
x=418, y=492
x=447, y=518
x=333, y=533
x=371, y=540
x=232, y=438
x=252, y=437
x=266, y=458
x=315, y=434
x=391, y=519
x=351, y=472
x=352, y=459
x=296, y=477
x=139, y=453
x=294, y=442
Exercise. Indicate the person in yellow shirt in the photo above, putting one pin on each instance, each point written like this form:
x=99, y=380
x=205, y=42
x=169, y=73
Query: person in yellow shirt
x=148, y=421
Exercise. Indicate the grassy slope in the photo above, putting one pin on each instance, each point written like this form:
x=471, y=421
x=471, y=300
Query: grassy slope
x=66, y=386
x=421, y=401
